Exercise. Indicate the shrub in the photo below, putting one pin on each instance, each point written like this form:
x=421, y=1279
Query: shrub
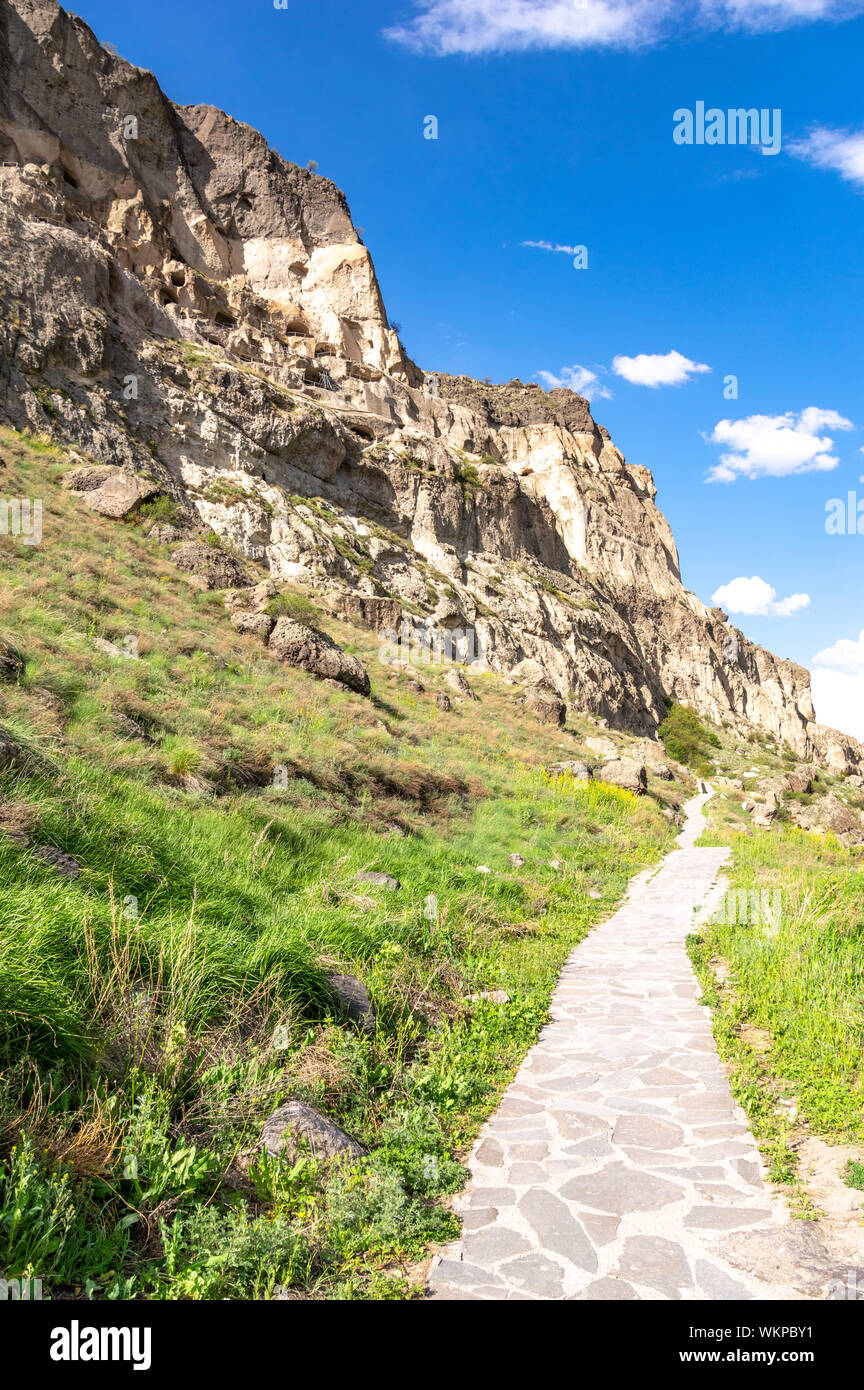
x=296, y=606
x=687, y=740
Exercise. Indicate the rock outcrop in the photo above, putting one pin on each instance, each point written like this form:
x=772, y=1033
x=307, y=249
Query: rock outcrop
x=181, y=304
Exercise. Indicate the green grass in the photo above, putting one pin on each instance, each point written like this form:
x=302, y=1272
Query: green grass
x=154, y=1010
x=790, y=1018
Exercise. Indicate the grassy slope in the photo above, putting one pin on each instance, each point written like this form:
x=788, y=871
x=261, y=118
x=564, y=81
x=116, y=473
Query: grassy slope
x=154, y=1011
x=789, y=1001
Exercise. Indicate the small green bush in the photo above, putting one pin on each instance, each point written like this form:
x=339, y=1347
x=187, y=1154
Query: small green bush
x=687, y=740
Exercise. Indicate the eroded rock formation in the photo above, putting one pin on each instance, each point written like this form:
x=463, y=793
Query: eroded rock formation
x=180, y=302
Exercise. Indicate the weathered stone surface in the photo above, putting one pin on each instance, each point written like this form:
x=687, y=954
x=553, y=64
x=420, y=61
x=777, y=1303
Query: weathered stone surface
x=829, y=815
x=11, y=754
x=457, y=681
x=317, y=653
x=625, y=773
x=659, y=1263
x=354, y=997
x=130, y=728
x=579, y=771
x=547, y=706
x=490, y=996
x=87, y=476
x=120, y=495
x=379, y=880
x=255, y=624
x=443, y=702
x=211, y=567
x=296, y=1124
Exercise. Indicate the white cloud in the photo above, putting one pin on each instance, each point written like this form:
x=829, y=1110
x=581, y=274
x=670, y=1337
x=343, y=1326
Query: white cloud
x=848, y=654
x=579, y=379
x=551, y=246
x=497, y=26
x=762, y=446
x=754, y=597
x=489, y=26
x=658, y=369
x=775, y=14
x=838, y=694
x=839, y=701
x=840, y=150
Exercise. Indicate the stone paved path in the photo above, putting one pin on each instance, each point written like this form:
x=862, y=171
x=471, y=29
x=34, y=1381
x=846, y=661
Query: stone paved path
x=617, y=1161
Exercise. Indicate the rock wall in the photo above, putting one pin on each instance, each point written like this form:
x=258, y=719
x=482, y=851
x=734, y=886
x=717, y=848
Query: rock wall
x=179, y=300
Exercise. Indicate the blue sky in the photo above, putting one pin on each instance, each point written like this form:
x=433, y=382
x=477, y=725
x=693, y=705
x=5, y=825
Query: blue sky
x=555, y=125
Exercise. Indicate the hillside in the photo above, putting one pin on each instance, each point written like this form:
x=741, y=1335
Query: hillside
x=339, y=700
x=181, y=303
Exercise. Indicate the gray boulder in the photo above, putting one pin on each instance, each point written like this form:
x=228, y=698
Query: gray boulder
x=354, y=997
x=625, y=773
x=458, y=682
x=580, y=772
x=120, y=495
x=295, y=1125
x=210, y=567
x=548, y=707
x=378, y=880
x=314, y=651
x=255, y=624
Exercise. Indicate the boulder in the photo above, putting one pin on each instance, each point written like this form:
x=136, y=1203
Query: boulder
x=210, y=567
x=457, y=681
x=382, y=615
x=386, y=881
x=580, y=772
x=763, y=815
x=296, y=1125
x=87, y=477
x=800, y=779
x=490, y=996
x=603, y=747
x=443, y=702
x=353, y=996
x=831, y=816
x=120, y=495
x=530, y=672
x=314, y=651
x=516, y=861
x=254, y=624
x=548, y=707
x=625, y=773
x=252, y=600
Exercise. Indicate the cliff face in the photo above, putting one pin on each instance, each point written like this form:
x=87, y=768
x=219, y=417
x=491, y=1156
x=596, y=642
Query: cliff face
x=180, y=300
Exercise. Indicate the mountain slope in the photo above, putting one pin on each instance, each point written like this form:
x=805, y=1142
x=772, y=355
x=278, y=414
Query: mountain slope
x=180, y=301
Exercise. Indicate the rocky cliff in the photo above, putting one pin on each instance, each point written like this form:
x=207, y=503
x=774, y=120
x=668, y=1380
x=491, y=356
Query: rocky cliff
x=180, y=302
